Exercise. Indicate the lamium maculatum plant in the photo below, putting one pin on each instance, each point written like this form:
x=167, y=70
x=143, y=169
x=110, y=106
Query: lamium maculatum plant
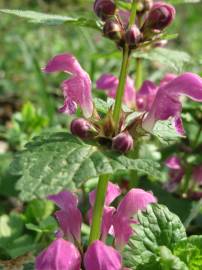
x=127, y=228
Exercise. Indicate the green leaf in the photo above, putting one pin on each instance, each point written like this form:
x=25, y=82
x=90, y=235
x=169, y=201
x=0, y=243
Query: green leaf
x=13, y=241
x=168, y=261
x=101, y=105
x=190, y=251
x=172, y=59
x=54, y=161
x=51, y=19
x=38, y=210
x=157, y=227
x=166, y=132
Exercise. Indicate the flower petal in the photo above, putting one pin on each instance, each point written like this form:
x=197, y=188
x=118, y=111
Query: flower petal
x=176, y=173
x=63, y=62
x=69, y=217
x=77, y=89
x=146, y=95
x=167, y=78
x=70, y=222
x=110, y=83
x=102, y=257
x=178, y=124
x=174, y=163
x=69, y=107
x=167, y=104
x=60, y=255
x=113, y=191
x=135, y=199
x=64, y=199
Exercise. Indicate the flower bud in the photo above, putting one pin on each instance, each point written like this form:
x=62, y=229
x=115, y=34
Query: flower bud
x=133, y=36
x=104, y=8
x=113, y=30
x=160, y=16
x=81, y=128
x=123, y=142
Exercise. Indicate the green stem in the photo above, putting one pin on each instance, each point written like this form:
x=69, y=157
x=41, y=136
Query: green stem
x=98, y=208
x=195, y=142
x=123, y=72
x=133, y=13
x=138, y=77
x=121, y=86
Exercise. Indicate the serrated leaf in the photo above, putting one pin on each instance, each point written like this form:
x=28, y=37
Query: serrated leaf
x=172, y=59
x=52, y=19
x=166, y=132
x=157, y=227
x=54, y=161
x=190, y=251
x=168, y=261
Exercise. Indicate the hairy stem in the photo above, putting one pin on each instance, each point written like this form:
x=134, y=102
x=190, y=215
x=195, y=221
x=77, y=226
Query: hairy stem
x=123, y=72
x=121, y=86
x=98, y=208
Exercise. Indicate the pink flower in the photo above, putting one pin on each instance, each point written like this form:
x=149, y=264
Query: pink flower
x=136, y=199
x=144, y=98
x=167, y=104
x=176, y=173
x=102, y=257
x=146, y=95
x=60, y=255
x=109, y=83
x=77, y=89
x=118, y=222
x=68, y=202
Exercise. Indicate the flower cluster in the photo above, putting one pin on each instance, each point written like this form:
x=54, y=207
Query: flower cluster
x=154, y=102
x=157, y=102
x=177, y=173
x=66, y=251
x=151, y=20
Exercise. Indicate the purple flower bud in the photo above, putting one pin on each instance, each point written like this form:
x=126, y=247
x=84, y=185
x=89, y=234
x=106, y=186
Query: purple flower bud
x=160, y=16
x=81, y=128
x=104, y=8
x=113, y=30
x=123, y=142
x=133, y=36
